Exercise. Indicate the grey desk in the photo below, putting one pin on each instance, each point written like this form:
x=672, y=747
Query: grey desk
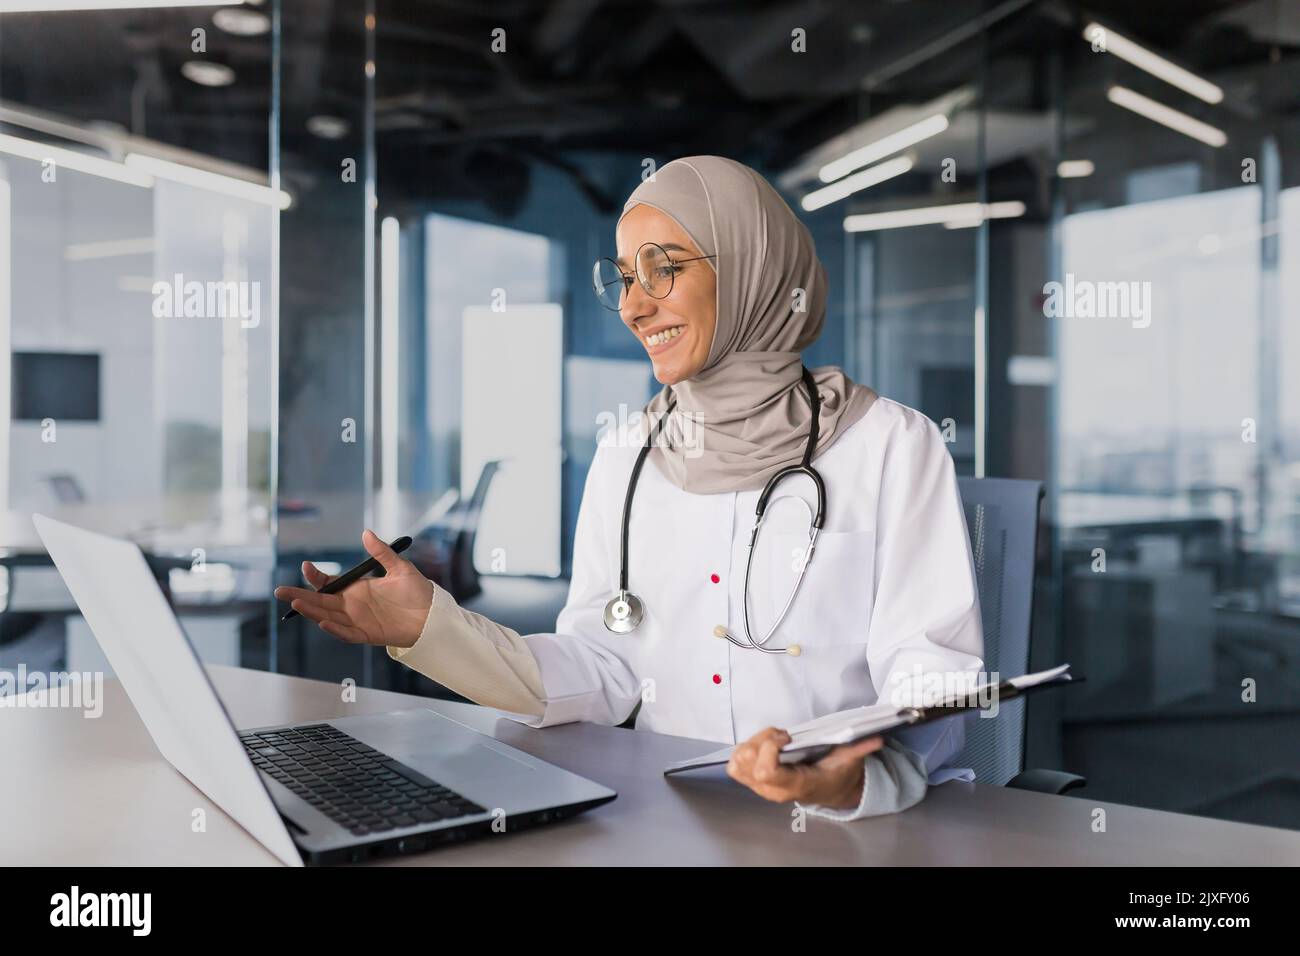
x=86, y=792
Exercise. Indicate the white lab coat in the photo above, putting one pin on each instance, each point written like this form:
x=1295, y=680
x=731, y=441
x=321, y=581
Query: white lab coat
x=890, y=590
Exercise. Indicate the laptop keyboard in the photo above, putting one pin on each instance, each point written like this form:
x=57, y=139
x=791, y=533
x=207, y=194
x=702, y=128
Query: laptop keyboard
x=356, y=786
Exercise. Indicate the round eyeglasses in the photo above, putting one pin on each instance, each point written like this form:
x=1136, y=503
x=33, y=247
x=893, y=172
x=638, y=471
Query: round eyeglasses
x=656, y=270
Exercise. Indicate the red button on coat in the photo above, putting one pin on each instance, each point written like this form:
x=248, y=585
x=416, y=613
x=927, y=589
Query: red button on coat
x=714, y=578
x=717, y=678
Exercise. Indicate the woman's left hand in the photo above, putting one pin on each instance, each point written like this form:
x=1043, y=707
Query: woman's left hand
x=833, y=781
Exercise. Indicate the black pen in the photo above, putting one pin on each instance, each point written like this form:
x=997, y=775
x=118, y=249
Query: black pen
x=356, y=574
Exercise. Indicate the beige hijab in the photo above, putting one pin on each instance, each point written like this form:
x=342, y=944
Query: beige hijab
x=745, y=414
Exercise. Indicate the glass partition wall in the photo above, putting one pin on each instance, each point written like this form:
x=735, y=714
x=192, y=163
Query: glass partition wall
x=327, y=385
x=1139, y=344
x=138, y=314
x=1175, y=482
x=1060, y=233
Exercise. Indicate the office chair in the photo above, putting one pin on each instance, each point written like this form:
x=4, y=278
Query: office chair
x=1002, y=520
x=443, y=551
x=451, y=536
x=64, y=489
x=464, y=576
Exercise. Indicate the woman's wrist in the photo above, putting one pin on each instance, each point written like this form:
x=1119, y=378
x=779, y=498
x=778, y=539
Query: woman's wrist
x=847, y=794
x=410, y=633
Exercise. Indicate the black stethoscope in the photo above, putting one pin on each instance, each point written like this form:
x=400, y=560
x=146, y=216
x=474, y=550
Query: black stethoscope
x=625, y=610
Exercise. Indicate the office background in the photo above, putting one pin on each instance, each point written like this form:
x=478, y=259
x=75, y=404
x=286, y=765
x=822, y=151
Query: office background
x=399, y=204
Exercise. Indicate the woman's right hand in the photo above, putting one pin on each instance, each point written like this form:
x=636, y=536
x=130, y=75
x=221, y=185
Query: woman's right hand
x=390, y=610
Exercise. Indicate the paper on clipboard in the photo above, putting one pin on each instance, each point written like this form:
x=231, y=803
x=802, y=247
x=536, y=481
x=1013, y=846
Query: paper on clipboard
x=847, y=726
x=1042, y=677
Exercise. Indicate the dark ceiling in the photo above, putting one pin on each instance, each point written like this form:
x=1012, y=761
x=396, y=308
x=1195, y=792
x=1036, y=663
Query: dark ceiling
x=672, y=77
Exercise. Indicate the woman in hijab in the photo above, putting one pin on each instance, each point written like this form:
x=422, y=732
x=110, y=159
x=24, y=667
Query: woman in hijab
x=720, y=283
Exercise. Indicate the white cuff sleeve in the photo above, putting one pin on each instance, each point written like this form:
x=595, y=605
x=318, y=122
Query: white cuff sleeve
x=476, y=657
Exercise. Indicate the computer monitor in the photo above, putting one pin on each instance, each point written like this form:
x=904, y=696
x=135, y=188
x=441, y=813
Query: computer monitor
x=59, y=385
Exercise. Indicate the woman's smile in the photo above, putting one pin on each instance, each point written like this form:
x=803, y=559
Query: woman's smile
x=662, y=339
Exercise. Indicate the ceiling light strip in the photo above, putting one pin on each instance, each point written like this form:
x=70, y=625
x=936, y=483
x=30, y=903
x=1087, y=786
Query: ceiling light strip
x=893, y=143
x=961, y=214
x=857, y=182
x=1139, y=56
x=70, y=159
x=1167, y=116
x=214, y=182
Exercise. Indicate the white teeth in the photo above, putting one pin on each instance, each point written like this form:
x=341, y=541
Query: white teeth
x=659, y=338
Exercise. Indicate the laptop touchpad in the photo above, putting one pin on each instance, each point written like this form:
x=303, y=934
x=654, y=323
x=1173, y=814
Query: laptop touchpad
x=476, y=759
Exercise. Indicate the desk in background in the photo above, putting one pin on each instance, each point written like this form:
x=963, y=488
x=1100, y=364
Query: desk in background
x=236, y=544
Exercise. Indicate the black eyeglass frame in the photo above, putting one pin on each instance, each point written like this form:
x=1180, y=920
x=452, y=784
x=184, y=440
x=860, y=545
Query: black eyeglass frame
x=627, y=277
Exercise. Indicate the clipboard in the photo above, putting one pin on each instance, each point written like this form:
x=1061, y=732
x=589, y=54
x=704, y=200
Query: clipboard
x=817, y=737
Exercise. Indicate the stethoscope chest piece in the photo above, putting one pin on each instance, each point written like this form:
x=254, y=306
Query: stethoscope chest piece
x=623, y=612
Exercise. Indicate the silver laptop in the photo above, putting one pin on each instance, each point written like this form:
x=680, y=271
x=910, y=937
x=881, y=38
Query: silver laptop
x=337, y=790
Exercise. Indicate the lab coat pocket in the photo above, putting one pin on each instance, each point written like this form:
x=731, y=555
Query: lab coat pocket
x=834, y=602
